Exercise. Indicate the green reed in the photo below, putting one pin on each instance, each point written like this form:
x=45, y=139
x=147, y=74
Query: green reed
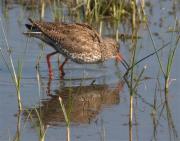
x=130, y=83
x=17, y=136
x=115, y=11
x=42, y=129
x=56, y=11
x=38, y=122
x=166, y=72
x=97, y=10
x=132, y=79
x=163, y=111
x=16, y=76
x=67, y=119
x=171, y=56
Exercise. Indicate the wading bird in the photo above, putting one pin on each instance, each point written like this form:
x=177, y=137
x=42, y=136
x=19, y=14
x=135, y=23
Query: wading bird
x=77, y=42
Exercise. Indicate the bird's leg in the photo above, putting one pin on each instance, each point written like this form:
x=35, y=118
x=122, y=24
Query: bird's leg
x=61, y=68
x=49, y=63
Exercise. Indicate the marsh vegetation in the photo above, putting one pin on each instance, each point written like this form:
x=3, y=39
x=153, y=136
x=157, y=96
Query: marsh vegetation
x=98, y=101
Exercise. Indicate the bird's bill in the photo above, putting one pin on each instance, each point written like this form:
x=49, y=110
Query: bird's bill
x=119, y=58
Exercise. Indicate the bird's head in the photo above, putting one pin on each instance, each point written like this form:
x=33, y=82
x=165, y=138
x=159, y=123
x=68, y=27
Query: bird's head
x=111, y=47
x=111, y=50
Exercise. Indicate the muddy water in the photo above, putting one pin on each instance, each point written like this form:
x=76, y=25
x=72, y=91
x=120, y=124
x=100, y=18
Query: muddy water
x=96, y=95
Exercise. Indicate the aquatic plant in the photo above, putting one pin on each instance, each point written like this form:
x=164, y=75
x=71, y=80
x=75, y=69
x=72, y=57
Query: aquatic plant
x=16, y=76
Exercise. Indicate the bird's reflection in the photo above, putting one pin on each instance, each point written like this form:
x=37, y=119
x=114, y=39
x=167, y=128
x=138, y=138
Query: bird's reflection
x=82, y=103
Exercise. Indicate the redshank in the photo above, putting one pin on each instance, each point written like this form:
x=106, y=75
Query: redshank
x=77, y=42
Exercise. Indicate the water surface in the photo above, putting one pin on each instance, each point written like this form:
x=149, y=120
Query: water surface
x=97, y=94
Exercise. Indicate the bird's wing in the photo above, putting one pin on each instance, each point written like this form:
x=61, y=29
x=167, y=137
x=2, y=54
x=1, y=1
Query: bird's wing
x=72, y=37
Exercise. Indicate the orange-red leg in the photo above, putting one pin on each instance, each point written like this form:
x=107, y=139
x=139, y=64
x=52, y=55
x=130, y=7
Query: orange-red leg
x=49, y=63
x=61, y=68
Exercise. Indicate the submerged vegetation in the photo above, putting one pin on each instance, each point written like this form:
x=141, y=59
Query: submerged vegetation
x=122, y=20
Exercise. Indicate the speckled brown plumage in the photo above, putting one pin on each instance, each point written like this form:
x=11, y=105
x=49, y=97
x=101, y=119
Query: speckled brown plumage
x=78, y=42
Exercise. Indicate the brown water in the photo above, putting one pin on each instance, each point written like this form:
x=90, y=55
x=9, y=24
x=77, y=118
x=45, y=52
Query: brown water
x=97, y=95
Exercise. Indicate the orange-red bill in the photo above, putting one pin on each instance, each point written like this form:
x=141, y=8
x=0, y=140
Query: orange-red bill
x=119, y=58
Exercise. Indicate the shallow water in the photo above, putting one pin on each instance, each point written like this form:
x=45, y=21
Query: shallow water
x=99, y=111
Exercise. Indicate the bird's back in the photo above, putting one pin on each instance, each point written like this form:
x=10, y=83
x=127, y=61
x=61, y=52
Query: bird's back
x=79, y=42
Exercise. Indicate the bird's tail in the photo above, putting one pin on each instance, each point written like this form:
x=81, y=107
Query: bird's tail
x=33, y=30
